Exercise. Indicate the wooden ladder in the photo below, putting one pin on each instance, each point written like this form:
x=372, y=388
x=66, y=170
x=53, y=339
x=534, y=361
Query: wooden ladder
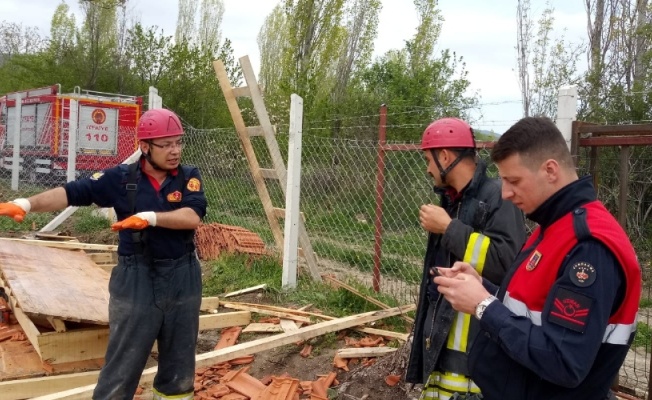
x=279, y=171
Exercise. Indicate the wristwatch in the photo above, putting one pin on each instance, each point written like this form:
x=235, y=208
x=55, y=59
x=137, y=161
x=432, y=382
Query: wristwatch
x=479, y=309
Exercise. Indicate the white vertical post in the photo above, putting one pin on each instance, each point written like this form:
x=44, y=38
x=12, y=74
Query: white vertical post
x=567, y=111
x=151, y=99
x=290, y=247
x=18, y=121
x=72, y=140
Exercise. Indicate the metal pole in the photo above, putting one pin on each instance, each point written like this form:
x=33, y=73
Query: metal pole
x=18, y=119
x=72, y=140
x=380, y=191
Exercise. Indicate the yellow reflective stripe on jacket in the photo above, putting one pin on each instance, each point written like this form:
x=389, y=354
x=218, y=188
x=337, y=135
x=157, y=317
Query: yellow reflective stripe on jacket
x=476, y=251
x=476, y=255
x=442, y=385
x=160, y=396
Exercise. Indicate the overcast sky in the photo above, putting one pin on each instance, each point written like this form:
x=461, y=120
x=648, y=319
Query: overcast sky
x=482, y=31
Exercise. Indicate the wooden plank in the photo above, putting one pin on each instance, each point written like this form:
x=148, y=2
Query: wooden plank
x=370, y=331
x=51, y=236
x=64, y=245
x=280, y=213
x=102, y=258
x=259, y=310
x=52, y=282
x=288, y=325
x=247, y=290
x=240, y=127
x=209, y=303
x=224, y=320
x=238, y=350
x=57, y=324
x=32, y=387
x=384, y=333
x=31, y=331
x=363, y=352
x=368, y=298
x=277, y=161
x=255, y=131
x=258, y=327
x=242, y=91
x=75, y=345
x=268, y=173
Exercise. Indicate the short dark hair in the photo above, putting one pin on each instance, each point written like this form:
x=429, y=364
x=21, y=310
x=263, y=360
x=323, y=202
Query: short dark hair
x=535, y=139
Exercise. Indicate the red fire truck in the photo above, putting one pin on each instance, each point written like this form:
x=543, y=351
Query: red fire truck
x=105, y=136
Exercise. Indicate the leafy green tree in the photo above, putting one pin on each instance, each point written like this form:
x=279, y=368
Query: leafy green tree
x=545, y=63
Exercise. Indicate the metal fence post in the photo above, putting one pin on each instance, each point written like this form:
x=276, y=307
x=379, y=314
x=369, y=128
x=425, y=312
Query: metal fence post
x=72, y=140
x=15, y=164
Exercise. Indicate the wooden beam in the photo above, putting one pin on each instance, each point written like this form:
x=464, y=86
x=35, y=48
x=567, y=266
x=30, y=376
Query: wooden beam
x=255, y=131
x=209, y=304
x=66, y=245
x=288, y=325
x=268, y=173
x=246, y=290
x=368, y=298
x=225, y=320
x=102, y=258
x=75, y=345
x=259, y=310
x=258, y=327
x=32, y=387
x=363, y=352
x=31, y=331
x=243, y=349
x=242, y=91
x=57, y=324
x=370, y=331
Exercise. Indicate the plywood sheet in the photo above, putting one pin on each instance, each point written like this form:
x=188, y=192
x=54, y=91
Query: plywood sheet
x=52, y=282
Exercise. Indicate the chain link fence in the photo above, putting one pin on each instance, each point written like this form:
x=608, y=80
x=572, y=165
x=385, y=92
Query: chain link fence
x=338, y=200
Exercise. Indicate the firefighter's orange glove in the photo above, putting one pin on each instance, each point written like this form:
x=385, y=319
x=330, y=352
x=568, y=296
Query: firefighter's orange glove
x=138, y=221
x=16, y=209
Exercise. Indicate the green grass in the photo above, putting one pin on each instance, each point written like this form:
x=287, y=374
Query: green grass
x=643, y=336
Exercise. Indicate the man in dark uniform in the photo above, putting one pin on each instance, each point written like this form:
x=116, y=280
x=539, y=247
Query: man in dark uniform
x=156, y=287
x=472, y=224
x=561, y=323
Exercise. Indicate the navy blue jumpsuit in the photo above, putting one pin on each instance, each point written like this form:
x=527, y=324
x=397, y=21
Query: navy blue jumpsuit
x=155, y=290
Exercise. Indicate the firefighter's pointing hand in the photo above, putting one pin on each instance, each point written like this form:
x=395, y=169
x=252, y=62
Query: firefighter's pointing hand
x=138, y=221
x=16, y=209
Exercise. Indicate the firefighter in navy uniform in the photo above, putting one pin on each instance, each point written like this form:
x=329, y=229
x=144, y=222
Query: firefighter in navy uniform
x=473, y=224
x=155, y=290
x=562, y=321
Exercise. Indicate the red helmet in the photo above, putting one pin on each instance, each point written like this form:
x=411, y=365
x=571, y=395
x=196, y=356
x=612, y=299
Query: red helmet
x=159, y=123
x=447, y=133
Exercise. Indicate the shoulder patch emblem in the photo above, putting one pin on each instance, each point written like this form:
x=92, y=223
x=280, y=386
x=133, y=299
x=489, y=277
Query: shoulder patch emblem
x=582, y=274
x=533, y=261
x=174, y=197
x=194, y=185
x=96, y=176
x=570, y=310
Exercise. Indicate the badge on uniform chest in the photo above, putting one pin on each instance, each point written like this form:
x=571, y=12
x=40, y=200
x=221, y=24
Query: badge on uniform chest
x=533, y=261
x=174, y=197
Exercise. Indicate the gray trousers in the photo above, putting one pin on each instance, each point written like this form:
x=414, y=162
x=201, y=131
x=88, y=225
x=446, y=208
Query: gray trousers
x=151, y=300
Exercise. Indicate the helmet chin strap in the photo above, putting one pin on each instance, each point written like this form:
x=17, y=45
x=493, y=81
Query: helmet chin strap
x=443, y=172
x=148, y=157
